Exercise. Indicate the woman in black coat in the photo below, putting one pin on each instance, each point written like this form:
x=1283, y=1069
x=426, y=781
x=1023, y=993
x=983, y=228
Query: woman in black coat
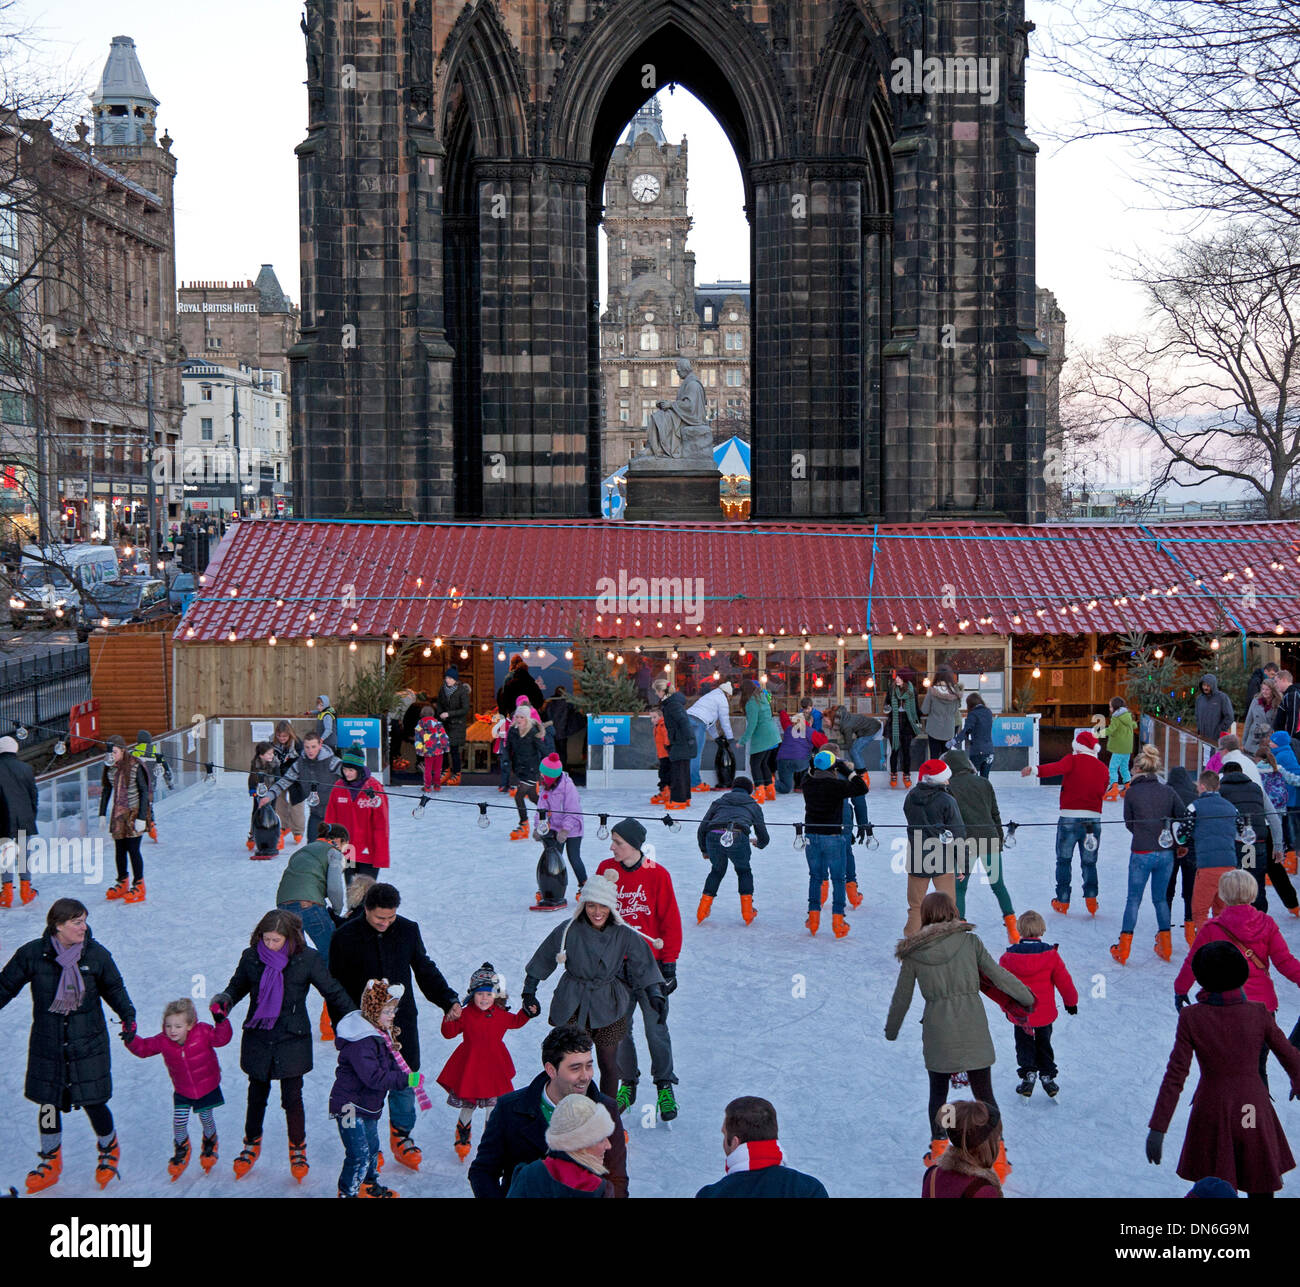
x=275, y=971
x=68, y=1063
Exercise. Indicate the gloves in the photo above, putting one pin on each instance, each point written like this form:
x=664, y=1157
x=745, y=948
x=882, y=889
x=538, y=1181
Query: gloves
x=860, y=838
x=658, y=1002
x=141, y=825
x=415, y=1080
x=528, y=997
x=669, y=970
x=1181, y=999
x=1071, y=1009
x=220, y=1006
x=1155, y=1146
x=128, y=1031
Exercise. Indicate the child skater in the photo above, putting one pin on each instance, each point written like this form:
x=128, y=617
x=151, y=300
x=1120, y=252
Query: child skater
x=558, y=796
x=264, y=841
x=1039, y=967
x=661, y=795
x=368, y=1069
x=431, y=743
x=1118, y=735
x=189, y=1049
x=480, y=1069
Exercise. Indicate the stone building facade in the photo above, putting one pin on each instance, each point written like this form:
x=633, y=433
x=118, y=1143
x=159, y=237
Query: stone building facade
x=654, y=313
x=450, y=207
x=248, y=323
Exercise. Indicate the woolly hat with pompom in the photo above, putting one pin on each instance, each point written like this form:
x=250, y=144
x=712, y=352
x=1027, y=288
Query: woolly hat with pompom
x=377, y=994
x=578, y=1123
x=551, y=766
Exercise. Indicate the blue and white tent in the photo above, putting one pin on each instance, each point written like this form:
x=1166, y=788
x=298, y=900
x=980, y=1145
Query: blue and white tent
x=731, y=457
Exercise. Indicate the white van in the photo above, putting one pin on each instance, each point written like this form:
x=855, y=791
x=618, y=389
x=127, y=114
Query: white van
x=44, y=589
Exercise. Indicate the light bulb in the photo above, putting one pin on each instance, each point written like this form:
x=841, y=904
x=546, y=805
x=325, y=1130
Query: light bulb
x=568, y=655
x=945, y=837
x=273, y=641
x=1090, y=842
x=541, y=827
x=501, y=654
x=1166, y=840
x=1009, y=841
x=1096, y=663
x=609, y=656
x=428, y=652
x=437, y=641
x=871, y=681
x=1158, y=654
x=464, y=654
x=1037, y=672
x=483, y=820
x=483, y=647
x=352, y=647
x=311, y=643
x=727, y=839
x=313, y=800
x=231, y=636
x=602, y=832
x=1214, y=645
x=390, y=650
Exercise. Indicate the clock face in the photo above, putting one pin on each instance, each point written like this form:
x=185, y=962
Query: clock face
x=645, y=188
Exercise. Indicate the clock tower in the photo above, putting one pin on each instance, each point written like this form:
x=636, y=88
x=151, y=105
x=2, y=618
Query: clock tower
x=649, y=318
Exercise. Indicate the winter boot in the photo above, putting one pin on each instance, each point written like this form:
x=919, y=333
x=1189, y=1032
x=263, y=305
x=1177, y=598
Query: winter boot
x=759, y=795
x=326, y=1027
x=208, y=1154
x=1091, y=905
x=1050, y=1086
x=1189, y=933
x=373, y=1189
x=839, y=926
x=25, y=891
x=1058, y=906
x=135, y=894
x=180, y=1160
x=520, y=832
x=747, y=912
x=1120, y=950
x=893, y=781
x=405, y=1149
x=936, y=1150
x=1164, y=948
x=907, y=780
x=659, y=797
x=814, y=921
x=251, y=1151
x=116, y=890
x=1013, y=934
x=626, y=1096
x=298, y=1161
x=106, y=1164
x=7, y=894
x=1112, y=792
x=462, y=1145
x=1002, y=1163
x=851, y=892
x=47, y=1172
x=826, y=889
x=666, y=1102
x=771, y=792
x=1026, y=1086
x=703, y=910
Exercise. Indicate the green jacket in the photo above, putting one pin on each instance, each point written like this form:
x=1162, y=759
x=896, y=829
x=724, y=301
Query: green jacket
x=313, y=874
x=1120, y=733
x=948, y=960
x=761, y=730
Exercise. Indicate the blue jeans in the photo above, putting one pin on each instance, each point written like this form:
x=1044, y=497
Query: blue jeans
x=1069, y=834
x=401, y=1109
x=360, y=1152
x=1156, y=867
x=701, y=736
x=825, y=856
x=785, y=774
x=982, y=763
x=738, y=855
x=316, y=925
x=858, y=752
x=505, y=763
x=855, y=810
x=1119, y=769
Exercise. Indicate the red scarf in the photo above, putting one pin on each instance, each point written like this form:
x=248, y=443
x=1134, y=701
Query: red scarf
x=754, y=1156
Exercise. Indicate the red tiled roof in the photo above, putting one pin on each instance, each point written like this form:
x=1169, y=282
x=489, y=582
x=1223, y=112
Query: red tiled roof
x=532, y=580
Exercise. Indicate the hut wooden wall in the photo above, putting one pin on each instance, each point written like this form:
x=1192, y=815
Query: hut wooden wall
x=131, y=675
x=223, y=679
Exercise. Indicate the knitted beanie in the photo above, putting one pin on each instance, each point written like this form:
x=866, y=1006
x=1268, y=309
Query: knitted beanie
x=551, y=766
x=577, y=1123
x=823, y=760
x=935, y=771
x=9, y=745
x=631, y=831
x=354, y=757
x=376, y=995
x=484, y=979
x=451, y=673
x=725, y=687
x=521, y=700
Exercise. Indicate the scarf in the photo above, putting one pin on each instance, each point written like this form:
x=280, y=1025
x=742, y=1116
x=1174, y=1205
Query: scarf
x=356, y=787
x=421, y=1096
x=71, y=990
x=902, y=702
x=270, y=992
x=754, y=1156
x=120, y=823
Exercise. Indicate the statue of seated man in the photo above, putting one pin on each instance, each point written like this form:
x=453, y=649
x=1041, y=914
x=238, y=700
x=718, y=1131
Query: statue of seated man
x=678, y=429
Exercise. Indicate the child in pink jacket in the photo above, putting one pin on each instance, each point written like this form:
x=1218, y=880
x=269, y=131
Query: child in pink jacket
x=189, y=1049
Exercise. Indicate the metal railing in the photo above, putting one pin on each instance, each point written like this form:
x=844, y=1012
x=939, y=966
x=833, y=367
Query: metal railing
x=41, y=691
x=69, y=800
x=1178, y=745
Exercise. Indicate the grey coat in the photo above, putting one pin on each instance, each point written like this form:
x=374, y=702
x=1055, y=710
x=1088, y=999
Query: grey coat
x=1213, y=710
x=941, y=706
x=602, y=969
x=1260, y=724
x=319, y=775
x=948, y=960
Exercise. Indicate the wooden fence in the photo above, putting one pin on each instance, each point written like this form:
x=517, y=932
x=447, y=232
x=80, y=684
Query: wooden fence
x=131, y=675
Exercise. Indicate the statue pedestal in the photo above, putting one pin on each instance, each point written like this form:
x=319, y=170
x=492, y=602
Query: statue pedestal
x=664, y=490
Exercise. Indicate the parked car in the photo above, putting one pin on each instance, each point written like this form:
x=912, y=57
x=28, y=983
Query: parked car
x=45, y=586
x=127, y=599
x=181, y=592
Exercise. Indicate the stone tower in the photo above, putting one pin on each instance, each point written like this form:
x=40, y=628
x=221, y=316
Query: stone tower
x=123, y=104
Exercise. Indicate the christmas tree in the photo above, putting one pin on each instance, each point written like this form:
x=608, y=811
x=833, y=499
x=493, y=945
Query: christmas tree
x=602, y=688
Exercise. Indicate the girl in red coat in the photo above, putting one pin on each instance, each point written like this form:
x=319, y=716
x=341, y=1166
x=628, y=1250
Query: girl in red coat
x=189, y=1049
x=1039, y=967
x=358, y=803
x=1232, y=1130
x=480, y=1069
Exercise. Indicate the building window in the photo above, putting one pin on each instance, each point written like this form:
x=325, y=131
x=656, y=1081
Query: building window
x=668, y=243
x=708, y=312
x=214, y=341
x=649, y=339
x=708, y=343
x=649, y=378
x=205, y=429
x=676, y=379
x=206, y=395
x=279, y=411
x=624, y=377
x=623, y=415
x=735, y=378
x=734, y=339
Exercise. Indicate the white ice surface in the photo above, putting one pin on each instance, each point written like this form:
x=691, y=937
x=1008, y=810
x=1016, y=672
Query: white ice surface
x=851, y=1105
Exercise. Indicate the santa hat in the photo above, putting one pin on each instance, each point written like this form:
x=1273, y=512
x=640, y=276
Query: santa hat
x=1085, y=742
x=935, y=771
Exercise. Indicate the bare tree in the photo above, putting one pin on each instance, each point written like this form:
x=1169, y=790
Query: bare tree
x=1215, y=380
x=1208, y=92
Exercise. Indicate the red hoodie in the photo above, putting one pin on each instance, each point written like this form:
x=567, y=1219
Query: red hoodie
x=1039, y=967
x=1246, y=926
x=647, y=902
x=1084, y=779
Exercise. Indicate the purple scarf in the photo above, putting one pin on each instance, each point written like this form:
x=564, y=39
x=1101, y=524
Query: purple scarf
x=71, y=990
x=270, y=992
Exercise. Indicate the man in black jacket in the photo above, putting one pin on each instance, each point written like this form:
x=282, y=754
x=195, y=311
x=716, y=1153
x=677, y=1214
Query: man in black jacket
x=824, y=794
x=681, y=742
x=18, y=797
x=380, y=944
x=516, y=1130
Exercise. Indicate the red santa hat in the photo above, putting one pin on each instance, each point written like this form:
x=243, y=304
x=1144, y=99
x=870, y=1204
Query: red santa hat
x=935, y=771
x=1085, y=742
